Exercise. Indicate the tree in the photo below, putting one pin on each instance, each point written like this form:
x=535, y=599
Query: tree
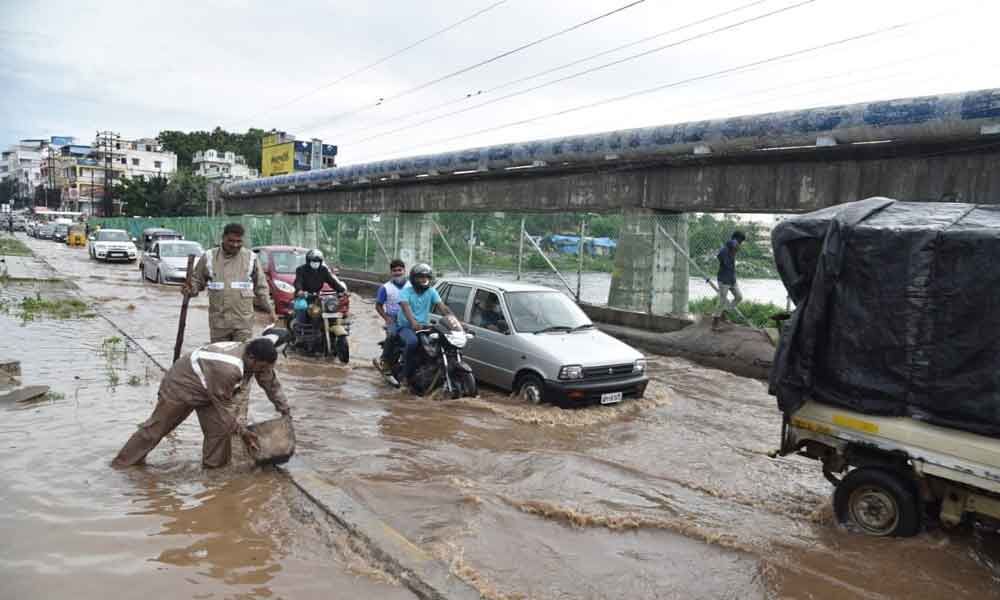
x=184, y=194
x=184, y=145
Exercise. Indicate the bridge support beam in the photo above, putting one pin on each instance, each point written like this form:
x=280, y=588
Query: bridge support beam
x=408, y=236
x=651, y=274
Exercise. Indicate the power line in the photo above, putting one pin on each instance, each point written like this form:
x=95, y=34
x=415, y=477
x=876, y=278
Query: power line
x=378, y=62
x=673, y=84
x=562, y=66
x=477, y=65
x=589, y=71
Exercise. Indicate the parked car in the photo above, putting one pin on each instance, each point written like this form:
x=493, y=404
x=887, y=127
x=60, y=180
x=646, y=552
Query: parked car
x=44, y=231
x=154, y=234
x=279, y=264
x=166, y=261
x=19, y=224
x=60, y=231
x=112, y=244
x=536, y=341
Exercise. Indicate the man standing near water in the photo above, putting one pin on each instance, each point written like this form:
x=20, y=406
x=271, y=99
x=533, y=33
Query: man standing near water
x=207, y=381
x=727, y=276
x=234, y=279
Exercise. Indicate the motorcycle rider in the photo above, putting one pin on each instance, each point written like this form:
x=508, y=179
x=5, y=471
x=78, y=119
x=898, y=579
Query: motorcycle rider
x=312, y=275
x=415, y=304
x=387, y=307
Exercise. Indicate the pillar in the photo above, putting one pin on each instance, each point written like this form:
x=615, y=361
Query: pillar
x=408, y=236
x=416, y=238
x=650, y=274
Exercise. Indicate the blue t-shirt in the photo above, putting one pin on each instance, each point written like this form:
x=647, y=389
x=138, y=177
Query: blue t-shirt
x=420, y=305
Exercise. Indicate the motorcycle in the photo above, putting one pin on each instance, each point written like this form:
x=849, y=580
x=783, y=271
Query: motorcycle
x=319, y=325
x=439, y=360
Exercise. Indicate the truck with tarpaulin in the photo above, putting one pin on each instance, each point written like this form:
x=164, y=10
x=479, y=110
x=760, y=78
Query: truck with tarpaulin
x=888, y=370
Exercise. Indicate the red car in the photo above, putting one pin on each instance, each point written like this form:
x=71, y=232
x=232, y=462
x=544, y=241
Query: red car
x=279, y=264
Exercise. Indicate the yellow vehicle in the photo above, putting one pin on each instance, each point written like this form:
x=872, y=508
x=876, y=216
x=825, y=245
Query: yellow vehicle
x=77, y=236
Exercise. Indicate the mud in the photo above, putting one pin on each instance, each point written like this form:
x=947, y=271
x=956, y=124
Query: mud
x=671, y=496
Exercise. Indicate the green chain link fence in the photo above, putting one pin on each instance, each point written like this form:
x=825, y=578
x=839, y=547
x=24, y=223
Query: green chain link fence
x=492, y=245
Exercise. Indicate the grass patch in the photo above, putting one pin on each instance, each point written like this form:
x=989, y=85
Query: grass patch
x=135, y=380
x=12, y=247
x=59, y=308
x=758, y=313
x=53, y=395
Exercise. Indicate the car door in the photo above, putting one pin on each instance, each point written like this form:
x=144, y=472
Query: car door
x=491, y=354
x=150, y=261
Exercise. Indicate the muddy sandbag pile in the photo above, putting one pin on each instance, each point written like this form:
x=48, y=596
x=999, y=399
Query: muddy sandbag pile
x=898, y=311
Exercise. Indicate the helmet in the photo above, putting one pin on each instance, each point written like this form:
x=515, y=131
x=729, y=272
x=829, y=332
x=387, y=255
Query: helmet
x=421, y=269
x=300, y=304
x=314, y=255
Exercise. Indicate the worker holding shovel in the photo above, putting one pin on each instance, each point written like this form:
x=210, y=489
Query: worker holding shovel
x=206, y=381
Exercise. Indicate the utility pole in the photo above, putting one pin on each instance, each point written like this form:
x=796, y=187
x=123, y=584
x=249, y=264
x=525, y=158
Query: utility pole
x=107, y=142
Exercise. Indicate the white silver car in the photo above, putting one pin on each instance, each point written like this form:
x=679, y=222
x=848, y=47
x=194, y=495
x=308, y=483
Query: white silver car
x=112, y=244
x=166, y=261
x=536, y=341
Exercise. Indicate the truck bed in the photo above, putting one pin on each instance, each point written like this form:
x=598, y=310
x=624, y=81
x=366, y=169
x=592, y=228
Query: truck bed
x=937, y=451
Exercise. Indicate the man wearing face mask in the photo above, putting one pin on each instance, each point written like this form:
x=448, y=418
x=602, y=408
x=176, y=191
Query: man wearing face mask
x=311, y=276
x=387, y=307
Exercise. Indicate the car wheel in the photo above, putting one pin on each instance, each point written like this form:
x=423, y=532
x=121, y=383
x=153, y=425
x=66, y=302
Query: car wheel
x=531, y=388
x=879, y=502
x=343, y=348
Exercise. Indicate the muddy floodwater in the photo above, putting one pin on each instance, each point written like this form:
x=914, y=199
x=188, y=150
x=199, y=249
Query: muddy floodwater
x=672, y=496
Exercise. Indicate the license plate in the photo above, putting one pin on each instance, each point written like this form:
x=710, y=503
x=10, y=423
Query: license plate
x=611, y=398
x=116, y=254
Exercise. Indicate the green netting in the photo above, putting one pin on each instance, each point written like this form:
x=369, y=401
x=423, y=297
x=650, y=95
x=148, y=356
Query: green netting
x=492, y=245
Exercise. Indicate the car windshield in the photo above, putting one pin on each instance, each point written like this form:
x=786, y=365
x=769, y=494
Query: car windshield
x=287, y=262
x=180, y=249
x=112, y=236
x=535, y=312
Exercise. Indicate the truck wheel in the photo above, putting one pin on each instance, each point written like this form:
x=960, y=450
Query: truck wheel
x=880, y=502
x=531, y=388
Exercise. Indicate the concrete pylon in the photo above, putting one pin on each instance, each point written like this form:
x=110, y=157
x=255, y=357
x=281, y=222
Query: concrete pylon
x=650, y=274
x=408, y=236
x=416, y=238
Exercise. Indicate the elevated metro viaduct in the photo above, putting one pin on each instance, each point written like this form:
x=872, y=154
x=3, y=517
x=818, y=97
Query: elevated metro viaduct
x=932, y=148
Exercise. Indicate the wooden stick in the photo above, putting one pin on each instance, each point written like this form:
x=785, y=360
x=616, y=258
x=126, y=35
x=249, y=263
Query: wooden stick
x=184, y=309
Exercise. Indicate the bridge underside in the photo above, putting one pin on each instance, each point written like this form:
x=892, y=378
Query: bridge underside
x=796, y=180
x=651, y=272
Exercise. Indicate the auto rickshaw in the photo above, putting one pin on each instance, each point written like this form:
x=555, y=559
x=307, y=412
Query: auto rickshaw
x=77, y=235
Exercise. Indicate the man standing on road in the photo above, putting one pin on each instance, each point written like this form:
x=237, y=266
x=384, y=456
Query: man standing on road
x=387, y=307
x=206, y=381
x=234, y=279
x=415, y=304
x=727, y=276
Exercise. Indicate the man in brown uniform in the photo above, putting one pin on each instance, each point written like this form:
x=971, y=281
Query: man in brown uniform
x=206, y=381
x=233, y=278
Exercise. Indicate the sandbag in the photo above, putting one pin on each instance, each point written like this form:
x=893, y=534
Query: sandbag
x=276, y=441
x=897, y=311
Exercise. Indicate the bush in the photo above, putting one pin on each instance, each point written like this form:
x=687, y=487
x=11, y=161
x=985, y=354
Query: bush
x=758, y=313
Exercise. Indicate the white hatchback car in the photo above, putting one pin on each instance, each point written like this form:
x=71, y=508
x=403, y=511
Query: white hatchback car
x=112, y=244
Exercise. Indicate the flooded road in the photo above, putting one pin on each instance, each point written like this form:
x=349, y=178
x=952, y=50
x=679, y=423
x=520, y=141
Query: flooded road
x=669, y=497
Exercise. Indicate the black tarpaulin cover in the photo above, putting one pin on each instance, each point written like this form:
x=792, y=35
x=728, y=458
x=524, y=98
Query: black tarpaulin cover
x=897, y=311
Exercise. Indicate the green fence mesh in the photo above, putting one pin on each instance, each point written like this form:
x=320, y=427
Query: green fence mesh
x=491, y=245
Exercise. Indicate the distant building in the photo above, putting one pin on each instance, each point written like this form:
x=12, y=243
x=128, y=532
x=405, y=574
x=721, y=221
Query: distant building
x=213, y=164
x=281, y=154
x=24, y=163
x=133, y=158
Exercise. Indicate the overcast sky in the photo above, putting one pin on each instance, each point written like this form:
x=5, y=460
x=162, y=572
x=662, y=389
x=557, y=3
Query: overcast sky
x=73, y=67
